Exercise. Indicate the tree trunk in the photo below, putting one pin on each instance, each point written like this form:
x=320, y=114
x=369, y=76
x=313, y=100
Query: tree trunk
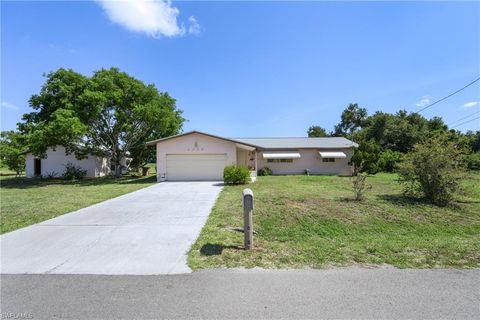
x=118, y=170
x=116, y=157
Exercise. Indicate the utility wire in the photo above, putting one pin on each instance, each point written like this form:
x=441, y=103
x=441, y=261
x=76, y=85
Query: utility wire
x=464, y=117
x=458, y=125
x=451, y=94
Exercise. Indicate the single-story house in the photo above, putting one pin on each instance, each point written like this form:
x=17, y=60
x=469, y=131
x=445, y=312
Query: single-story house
x=53, y=165
x=197, y=155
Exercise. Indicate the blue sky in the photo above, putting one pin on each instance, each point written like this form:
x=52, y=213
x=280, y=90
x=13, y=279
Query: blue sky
x=255, y=68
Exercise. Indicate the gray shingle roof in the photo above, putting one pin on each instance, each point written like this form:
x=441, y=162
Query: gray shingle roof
x=278, y=143
x=298, y=143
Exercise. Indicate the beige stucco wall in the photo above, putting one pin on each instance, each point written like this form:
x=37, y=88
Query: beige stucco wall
x=242, y=159
x=57, y=159
x=310, y=159
x=192, y=144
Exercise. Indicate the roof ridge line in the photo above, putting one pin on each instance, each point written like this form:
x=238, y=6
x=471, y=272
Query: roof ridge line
x=282, y=137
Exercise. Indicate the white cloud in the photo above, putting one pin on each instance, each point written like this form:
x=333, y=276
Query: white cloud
x=8, y=105
x=194, y=27
x=423, y=101
x=470, y=104
x=62, y=48
x=155, y=18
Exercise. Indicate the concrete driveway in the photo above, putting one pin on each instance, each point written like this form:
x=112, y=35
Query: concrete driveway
x=148, y=231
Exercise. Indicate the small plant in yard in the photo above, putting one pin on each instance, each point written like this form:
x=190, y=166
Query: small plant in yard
x=73, y=172
x=236, y=175
x=433, y=169
x=265, y=171
x=360, y=185
x=51, y=175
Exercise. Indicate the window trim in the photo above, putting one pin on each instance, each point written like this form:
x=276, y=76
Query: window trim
x=279, y=160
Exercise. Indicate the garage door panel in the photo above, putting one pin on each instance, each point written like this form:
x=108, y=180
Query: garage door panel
x=195, y=166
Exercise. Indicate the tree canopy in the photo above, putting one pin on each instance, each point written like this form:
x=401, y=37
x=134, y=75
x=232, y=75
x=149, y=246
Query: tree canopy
x=12, y=151
x=352, y=119
x=110, y=114
x=316, y=131
x=385, y=137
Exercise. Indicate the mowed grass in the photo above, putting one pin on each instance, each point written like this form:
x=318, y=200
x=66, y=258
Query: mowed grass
x=27, y=201
x=311, y=221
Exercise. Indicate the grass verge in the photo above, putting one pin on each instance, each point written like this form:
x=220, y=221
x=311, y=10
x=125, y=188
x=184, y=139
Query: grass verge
x=26, y=201
x=311, y=221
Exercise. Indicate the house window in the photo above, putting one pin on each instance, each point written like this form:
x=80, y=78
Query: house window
x=328, y=159
x=280, y=160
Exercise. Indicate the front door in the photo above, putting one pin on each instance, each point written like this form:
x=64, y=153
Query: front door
x=37, y=167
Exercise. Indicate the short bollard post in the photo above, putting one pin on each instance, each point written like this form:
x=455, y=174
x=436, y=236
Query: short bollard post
x=247, y=218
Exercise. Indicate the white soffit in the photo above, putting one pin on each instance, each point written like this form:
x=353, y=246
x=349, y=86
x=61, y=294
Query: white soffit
x=325, y=154
x=281, y=155
x=244, y=147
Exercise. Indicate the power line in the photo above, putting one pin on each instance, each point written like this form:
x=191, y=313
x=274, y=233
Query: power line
x=464, y=117
x=458, y=125
x=451, y=94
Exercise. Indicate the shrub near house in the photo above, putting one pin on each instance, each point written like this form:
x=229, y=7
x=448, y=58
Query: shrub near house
x=236, y=175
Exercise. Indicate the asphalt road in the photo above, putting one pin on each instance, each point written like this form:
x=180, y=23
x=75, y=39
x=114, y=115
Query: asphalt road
x=248, y=294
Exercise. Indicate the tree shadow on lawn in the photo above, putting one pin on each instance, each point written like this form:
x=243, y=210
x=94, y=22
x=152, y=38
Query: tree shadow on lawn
x=216, y=249
x=401, y=200
x=406, y=201
x=26, y=183
x=8, y=174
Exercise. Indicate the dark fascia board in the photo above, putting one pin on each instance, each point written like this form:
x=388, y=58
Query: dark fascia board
x=154, y=142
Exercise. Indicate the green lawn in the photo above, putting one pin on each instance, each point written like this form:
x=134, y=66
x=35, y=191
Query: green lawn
x=27, y=201
x=303, y=221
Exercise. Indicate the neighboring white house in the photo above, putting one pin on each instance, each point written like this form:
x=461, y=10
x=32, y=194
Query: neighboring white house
x=201, y=156
x=53, y=165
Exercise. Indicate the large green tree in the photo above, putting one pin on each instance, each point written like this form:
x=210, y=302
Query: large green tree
x=474, y=140
x=316, y=131
x=109, y=113
x=384, y=137
x=12, y=148
x=399, y=131
x=352, y=119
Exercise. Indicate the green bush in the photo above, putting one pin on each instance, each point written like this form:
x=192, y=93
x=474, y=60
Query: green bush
x=366, y=157
x=236, y=175
x=388, y=160
x=73, y=172
x=472, y=161
x=11, y=151
x=433, y=169
x=265, y=171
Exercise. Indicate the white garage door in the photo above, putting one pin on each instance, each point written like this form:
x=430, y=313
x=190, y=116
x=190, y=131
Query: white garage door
x=195, y=166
